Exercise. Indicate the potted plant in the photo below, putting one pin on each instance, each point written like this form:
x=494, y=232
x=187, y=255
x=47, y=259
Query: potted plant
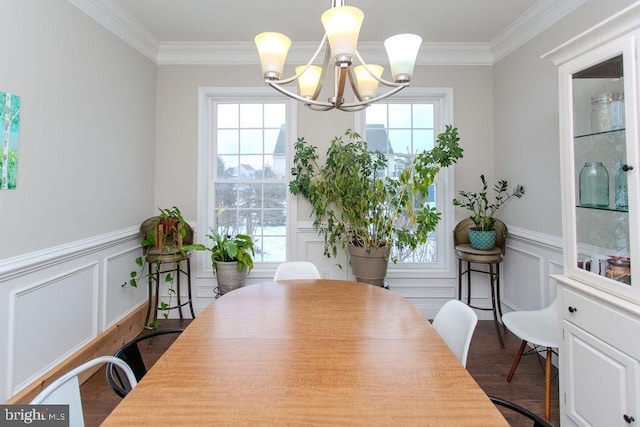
x=165, y=239
x=231, y=259
x=164, y=234
x=356, y=205
x=483, y=212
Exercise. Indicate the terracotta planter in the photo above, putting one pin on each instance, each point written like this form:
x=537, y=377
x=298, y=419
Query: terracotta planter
x=369, y=266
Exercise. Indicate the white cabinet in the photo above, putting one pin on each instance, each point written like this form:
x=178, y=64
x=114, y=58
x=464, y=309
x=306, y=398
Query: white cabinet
x=600, y=368
x=599, y=302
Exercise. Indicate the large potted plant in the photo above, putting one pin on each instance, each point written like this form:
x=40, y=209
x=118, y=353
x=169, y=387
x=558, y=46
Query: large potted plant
x=483, y=211
x=356, y=205
x=231, y=259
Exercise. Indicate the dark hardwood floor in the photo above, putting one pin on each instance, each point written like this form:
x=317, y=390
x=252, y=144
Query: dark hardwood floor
x=487, y=363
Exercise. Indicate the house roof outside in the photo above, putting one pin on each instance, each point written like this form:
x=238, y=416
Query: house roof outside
x=376, y=137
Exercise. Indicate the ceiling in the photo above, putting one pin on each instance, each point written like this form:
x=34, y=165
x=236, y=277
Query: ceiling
x=240, y=21
x=462, y=32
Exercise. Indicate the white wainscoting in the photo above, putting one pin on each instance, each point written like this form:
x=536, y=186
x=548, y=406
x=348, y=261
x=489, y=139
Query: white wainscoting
x=44, y=327
x=530, y=259
x=56, y=300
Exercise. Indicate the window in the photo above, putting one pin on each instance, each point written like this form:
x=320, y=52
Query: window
x=248, y=170
x=400, y=128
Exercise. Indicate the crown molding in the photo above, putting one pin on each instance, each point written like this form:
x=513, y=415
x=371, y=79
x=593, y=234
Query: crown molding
x=454, y=54
x=244, y=53
x=534, y=21
x=617, y=25
x=117, y=20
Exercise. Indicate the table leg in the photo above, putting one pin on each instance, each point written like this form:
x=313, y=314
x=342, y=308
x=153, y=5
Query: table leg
x=459, y=279
x=494, y=304
x=150, y=301
x=499, y=299
x=468, y=283
x=157, y=278
x=193, y=315
x=178, y=274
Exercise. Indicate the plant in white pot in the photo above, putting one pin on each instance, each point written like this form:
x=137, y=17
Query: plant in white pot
x=356, y=205
x=483, y=211
x=231, y=259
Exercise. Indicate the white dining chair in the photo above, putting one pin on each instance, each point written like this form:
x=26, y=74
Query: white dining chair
x=296, y=270
x=539, y=328
x=456, y=322
x=66, y=389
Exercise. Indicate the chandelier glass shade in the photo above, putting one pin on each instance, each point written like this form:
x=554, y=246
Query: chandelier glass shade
x=342, y=27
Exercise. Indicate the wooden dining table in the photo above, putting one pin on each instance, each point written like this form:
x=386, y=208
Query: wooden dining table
x=308, y=352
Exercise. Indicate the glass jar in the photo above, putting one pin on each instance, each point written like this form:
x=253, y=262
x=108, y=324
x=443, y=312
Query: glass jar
x=621, y=195
x=607, y=112
x=594, y=185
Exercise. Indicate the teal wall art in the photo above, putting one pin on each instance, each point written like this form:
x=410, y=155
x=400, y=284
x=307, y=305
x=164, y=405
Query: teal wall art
x=10, y=127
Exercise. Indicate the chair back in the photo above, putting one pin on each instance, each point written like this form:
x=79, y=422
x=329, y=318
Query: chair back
x=296, y=270
x=456, y=322
x=538, y=421
x=539, y=327
x=130, y=353
x=461, y=233
x=66, y=389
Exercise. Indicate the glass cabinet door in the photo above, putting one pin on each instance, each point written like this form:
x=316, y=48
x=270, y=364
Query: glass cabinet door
x=601, y=171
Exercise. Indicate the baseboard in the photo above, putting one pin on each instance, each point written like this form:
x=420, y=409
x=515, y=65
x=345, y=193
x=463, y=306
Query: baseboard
x=104, y=344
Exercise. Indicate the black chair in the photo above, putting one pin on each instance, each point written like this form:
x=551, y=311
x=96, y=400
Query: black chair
x=130, y=353
x=538, y=421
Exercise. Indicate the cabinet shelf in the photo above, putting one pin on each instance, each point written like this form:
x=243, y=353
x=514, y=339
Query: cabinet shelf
x=613, y=132
x=608, y=208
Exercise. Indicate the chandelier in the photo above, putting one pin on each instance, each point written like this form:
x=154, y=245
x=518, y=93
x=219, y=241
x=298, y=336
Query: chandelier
x=342, y=26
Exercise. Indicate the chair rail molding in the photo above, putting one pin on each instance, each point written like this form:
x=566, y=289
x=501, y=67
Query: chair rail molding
x=533, y=238
x=33, y=261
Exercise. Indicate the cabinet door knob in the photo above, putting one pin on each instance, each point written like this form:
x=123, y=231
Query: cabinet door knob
x=628, y=418
x=572, y=309
x=627, y=168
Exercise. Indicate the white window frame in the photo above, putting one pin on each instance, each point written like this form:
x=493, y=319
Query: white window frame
x=445, y=267
x=206, y=97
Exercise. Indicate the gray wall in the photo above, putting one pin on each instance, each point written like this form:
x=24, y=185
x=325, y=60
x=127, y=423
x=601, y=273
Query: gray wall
x=527, y=147
x=177, y=132
x=68, y=233
x=87, y=136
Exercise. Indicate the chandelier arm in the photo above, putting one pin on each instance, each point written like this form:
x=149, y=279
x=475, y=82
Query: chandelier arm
x=325, y=66
x=377, y=98
x=295, y=96
x=379, y=79
x=325, y=106
x=352, y=108
x=319, y=108
x=323, y=42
